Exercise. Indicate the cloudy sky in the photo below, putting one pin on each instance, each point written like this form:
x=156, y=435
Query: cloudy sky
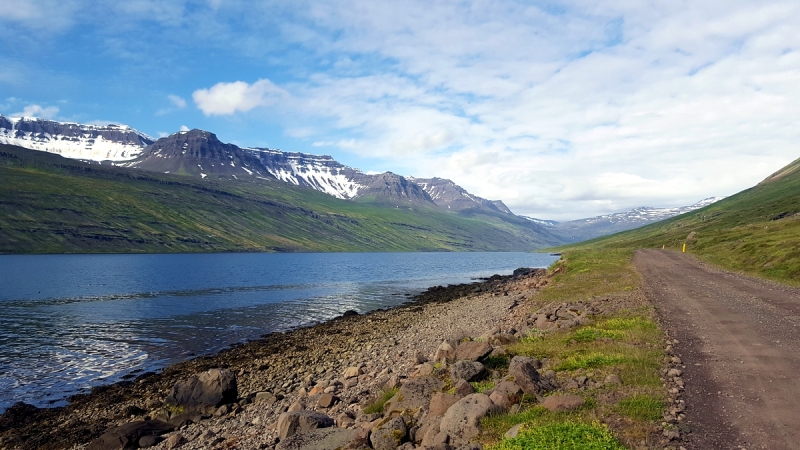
x=562, y=109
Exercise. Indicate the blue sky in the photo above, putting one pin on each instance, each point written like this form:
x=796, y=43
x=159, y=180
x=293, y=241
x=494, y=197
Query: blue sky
x=561, y=109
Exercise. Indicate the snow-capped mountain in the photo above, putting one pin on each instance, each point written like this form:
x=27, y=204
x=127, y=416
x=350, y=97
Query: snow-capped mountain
x=583, y=229
x=547, y=223
x=451, y=196
x=201, y=154
x=72, y=140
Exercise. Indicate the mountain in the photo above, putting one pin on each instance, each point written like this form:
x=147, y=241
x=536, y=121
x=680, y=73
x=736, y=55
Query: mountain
x=755, y=231
x=201, y=154
x=197, y=153
x=448, y=195
x=585, y=229
x=51, y=204
x=72, y=140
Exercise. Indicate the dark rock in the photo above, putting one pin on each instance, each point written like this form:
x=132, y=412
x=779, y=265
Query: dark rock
x=133, y=410
x=525, y=375
x=186, y=419
x=214, y=388
x=127, y=436
x=467, y=370
x=149, y=441
x=463, y=388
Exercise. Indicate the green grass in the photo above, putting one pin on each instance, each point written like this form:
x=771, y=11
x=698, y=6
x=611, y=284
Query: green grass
x=482, y=386
x=627, y=343
x=563, y=436
x=50, y=204
x=589, y=334
x=591, y=360
x=642, y=407
x=377, y=405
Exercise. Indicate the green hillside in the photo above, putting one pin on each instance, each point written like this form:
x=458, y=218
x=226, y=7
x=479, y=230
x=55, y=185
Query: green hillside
x=50, y=204
x=755, y=231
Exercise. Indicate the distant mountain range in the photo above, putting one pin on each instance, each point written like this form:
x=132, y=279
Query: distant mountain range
x=584, y=229
x=200, y=154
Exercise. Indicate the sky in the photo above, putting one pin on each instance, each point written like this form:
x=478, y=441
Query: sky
x=562, y=109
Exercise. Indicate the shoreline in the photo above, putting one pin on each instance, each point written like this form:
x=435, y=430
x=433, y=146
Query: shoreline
x=261, y=366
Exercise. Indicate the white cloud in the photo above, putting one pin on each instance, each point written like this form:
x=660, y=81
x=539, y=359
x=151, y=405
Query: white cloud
x=47, y=112
x=184, y=128
x=177, y=101
x=573, y=111
x=228, y=98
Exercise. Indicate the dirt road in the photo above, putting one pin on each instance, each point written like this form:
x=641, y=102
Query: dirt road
x=739, y=342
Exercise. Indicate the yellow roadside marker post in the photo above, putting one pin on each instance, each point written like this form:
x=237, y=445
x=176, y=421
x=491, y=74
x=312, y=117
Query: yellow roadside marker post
x=684, y=248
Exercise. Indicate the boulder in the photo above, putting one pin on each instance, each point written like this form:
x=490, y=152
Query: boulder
x=327, y=400
x=149, y=441
x=463, y=388
x=128, y=435
x=388, y=435
x=440, y=403
x=423, y=370
x=212, y=388
x=510, y=389
x=462, y=421
x=291, y=423
x=322, y=439
x=414, y=394
x=523, y=369
x=612, y=379
x=467, y=370
x=472, y=351
x=264, y=397
x=186, y=419
x=567, y=402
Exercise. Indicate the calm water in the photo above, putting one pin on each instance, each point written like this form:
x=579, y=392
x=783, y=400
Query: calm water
x=69, y=322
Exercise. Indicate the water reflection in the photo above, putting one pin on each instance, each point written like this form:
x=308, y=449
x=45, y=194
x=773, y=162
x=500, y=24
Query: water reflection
x=114, y=314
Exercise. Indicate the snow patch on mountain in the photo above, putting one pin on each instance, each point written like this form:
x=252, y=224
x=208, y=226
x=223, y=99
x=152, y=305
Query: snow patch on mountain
x=547, y=223
x=72, y=140
x=321, y=173
x=647, y=214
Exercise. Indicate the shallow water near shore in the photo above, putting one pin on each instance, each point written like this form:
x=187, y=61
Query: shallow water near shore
x=70, y=322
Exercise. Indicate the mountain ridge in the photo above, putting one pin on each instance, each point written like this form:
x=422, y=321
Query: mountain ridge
x=201, y=154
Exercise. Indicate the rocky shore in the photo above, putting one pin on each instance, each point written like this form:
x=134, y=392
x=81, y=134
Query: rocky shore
x=318, y=387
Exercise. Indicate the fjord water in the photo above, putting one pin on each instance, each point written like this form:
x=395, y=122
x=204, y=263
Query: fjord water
x=70, y=322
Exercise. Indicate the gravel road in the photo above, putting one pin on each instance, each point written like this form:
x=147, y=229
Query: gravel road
x=739, y=344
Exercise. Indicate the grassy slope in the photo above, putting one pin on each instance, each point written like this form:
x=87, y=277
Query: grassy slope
x=756, y=231
x=627, y=343
x=50, y=204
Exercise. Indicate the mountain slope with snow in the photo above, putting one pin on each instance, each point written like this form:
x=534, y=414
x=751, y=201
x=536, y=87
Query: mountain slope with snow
x=199, y=153
x=72, y=140
x=590, y=228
